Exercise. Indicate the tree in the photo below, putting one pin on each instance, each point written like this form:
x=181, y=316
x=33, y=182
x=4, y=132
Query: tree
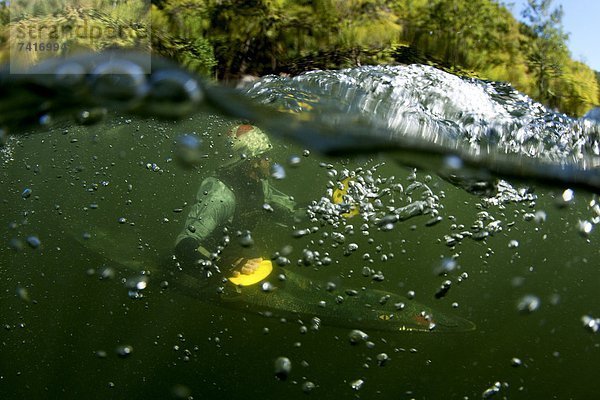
x=598, y=85
x=363, y=25
x=179, y=32
x=546, y=50
x=578, y=88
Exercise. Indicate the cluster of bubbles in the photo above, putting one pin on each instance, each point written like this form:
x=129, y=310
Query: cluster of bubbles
x=590, y=323
x=356, y=203
x=377, y=201
x=507, y=193
x=282, y=366
x=6, y=152
x=586, y=226
x=486, y=224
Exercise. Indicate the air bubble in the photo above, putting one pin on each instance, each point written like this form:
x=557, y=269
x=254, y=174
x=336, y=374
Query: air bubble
x=187, y=150
x=137, y=282
x=246, y=239
x=357, y=384
x=283, y=367
x=107, y=273
x=118, y=81
x=23, y=294
x=357, y=336
x=528, y=304
x=33, y=242
x=101, y=354
x=267, y=287
x=540, y=216
x=568, y=195
x=446, y=266
x=124, y=351
x=590, y=323
x=16, y=244
x=298, y=233
x=308, y=387
x=491, y=391
x=173, y=93
x=443, y=290
x=91, y=116
x=453, y=163
x=294, y=161
x=382, y=359
x=277, y=171
x=585, y=228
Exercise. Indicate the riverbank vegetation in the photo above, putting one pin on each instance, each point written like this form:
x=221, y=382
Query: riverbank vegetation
x=227, y=39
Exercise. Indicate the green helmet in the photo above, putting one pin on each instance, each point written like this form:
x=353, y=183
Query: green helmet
x=246, y=141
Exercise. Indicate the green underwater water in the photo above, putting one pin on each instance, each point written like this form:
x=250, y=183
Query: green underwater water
x=67, y=311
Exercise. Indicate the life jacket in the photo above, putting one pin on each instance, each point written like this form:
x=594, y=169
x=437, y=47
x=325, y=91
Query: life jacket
x=249, y=199
x=250, y=213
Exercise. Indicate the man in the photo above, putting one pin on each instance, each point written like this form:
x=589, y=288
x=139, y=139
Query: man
x=237, y=197
x=234, y=197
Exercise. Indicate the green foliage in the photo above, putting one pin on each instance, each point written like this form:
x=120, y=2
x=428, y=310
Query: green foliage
x=577, y=88
x=122, y=9
x=597, y=73
x=178, y=31
x=470, y=37
x=546, y=48
x=74, y=25
x=4, y=19
x=229, y=38
x=245, y=35
x=361, y=24
x=269, y=36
